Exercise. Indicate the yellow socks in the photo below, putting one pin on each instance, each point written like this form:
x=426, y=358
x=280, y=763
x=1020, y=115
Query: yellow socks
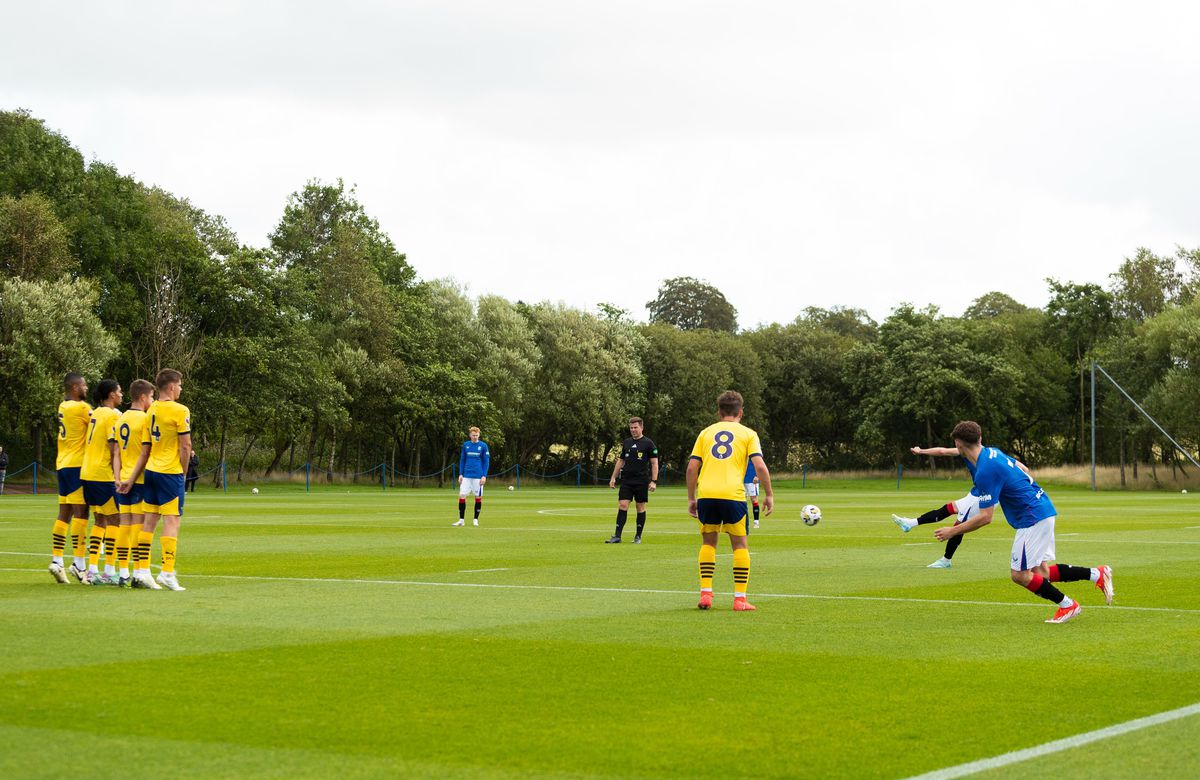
x=123, y=549
x=145, y=539
x=111, y=534
x=135, y=529
x=79, y=531
x=741, y=572
x=93, y=550
x=169, y=545
x=708, y=565
x=58, y=540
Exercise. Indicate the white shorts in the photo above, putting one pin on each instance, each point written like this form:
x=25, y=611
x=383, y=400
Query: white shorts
x=471, y=487
x=1033, y=545
x=751, y=490
x=967, y=507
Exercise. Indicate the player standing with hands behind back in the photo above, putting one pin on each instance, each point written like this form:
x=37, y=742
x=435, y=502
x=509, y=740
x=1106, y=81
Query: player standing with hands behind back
x=717, y=496
x=638, y=469
x=166, y=448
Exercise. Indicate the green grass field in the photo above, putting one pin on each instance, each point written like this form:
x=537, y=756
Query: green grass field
x=354, y=633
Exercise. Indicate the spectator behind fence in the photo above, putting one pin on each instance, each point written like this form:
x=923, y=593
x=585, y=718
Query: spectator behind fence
x=3, y=468
x=193, y=471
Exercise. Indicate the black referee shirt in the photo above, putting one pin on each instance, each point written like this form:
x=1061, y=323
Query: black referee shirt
x=637, y=454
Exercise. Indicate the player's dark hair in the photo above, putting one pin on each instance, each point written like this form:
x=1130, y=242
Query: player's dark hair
x=968, y=432
x=167, y=376
x=72, y=379
x=103, y=390
x=139, y=388
x=729, y=403
x=637, y=420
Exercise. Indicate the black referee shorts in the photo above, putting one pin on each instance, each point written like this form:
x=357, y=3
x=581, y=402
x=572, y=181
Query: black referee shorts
x=638, y=493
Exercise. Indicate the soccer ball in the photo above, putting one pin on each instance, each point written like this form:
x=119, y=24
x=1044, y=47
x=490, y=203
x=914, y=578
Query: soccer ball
x=254, y=491
x=510, y=487
x=810, y=514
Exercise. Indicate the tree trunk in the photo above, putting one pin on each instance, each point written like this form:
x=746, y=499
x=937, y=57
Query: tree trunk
x=278, y=456
x=929, y=438
x=221, y=458
x=242, y=464
x=332, y=452
x=35, y=433
x=1122, y=457
x=292, y=455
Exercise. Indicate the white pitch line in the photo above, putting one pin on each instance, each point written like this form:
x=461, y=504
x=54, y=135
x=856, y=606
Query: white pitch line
x=590, y=589
x=1059, y=745
x=917, y=544
x=474, y=571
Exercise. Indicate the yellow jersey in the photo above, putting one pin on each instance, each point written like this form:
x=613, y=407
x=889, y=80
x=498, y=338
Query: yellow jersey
x=74, y=417
x=129, y=440
x=97, y=455
x=723, y=449
x=168, y=421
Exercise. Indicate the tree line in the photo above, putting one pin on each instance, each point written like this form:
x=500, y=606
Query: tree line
x=324, y=347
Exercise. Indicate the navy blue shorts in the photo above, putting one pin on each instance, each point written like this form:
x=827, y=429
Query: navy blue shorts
x=162, y=494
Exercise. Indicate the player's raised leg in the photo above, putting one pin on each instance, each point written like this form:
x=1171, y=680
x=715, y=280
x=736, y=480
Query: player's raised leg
x=1100, y=576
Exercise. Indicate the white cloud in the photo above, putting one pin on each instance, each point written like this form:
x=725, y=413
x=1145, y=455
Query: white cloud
x=793, y=155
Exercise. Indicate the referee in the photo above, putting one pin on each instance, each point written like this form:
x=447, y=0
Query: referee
x=638, y=468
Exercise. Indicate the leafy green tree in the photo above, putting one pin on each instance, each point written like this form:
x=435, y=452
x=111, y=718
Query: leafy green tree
x=689, y=304
x=994, y=304
x=685, y=372
x=34, y=158
x=588, y=382
x=1080, y=316
x=47, y=328
x=807, y=396
x=921, y=377
x=1144, y=284
x=33, y=241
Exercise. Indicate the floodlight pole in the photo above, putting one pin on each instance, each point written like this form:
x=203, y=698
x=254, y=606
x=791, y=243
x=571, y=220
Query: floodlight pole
x=1093, y=425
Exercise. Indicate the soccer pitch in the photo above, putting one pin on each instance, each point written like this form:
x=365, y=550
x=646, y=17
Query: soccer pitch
x=355, y=633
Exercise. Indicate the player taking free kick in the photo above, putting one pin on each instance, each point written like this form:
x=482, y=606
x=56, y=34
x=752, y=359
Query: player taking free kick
x=1004, y=480
x=717, y=497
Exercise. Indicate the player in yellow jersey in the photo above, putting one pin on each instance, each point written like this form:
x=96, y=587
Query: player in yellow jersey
x=128, y=430
x=166, y=448
x=73, y=422
x=717, y=497
x=99, y=482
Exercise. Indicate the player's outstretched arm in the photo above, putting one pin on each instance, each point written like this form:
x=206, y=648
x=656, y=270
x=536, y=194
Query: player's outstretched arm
x=764, y=479
x=940, y=451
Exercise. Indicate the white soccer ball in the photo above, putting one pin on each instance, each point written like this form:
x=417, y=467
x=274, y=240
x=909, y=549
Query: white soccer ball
x=810, y=514
x=1184, y=491
x=510, y=487
x=254, y=491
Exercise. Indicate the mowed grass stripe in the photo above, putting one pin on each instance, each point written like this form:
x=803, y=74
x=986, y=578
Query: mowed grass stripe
x=574, y=669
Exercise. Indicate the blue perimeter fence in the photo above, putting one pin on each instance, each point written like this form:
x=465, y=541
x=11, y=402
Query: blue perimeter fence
x=388, y=477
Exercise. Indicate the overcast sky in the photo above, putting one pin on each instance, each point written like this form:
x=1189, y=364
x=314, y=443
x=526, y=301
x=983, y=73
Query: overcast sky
x=792, y=153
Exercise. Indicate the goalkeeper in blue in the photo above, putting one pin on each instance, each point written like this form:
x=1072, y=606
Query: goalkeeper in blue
x=473, y=462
